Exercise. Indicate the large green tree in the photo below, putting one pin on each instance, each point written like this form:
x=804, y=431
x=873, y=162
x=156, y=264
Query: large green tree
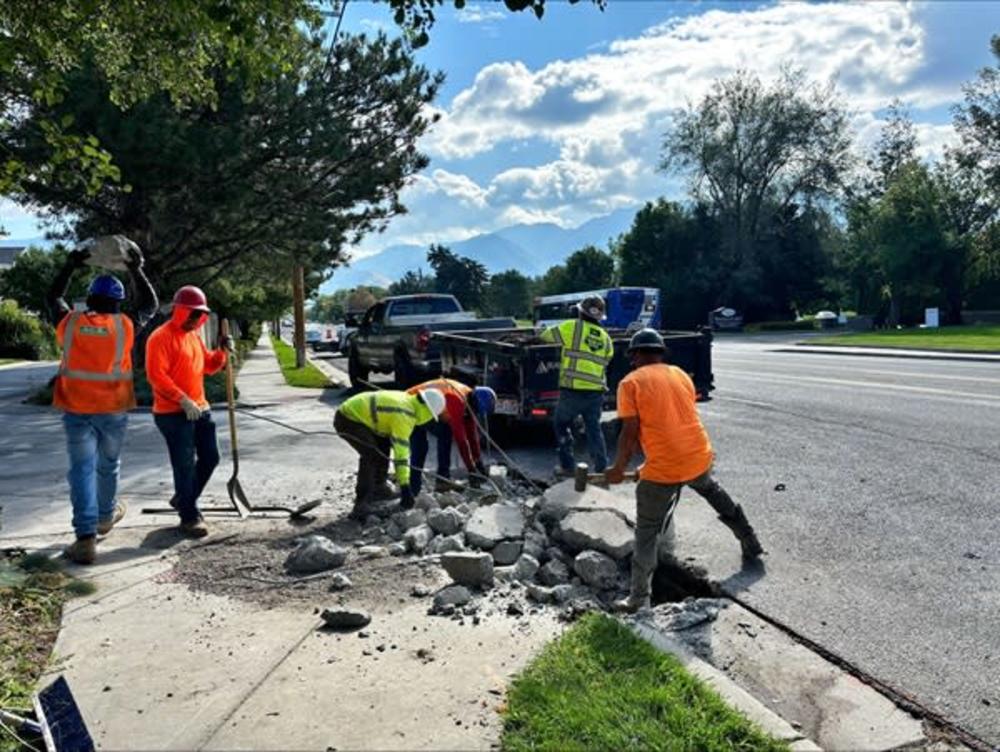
x=28, y=280
x=314, y=160
x=508, y=294
x=752, y=151
x=457, y=275
x=413, y=282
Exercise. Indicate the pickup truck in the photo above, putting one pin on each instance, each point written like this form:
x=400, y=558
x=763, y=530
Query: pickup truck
x=394, y=336
x=525, y=374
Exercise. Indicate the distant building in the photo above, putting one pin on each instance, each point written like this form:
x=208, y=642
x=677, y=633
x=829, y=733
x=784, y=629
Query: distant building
x=8, y=254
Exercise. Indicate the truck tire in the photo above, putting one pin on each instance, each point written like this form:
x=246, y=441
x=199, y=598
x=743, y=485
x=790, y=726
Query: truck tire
x=357, y=374
x=402, y=371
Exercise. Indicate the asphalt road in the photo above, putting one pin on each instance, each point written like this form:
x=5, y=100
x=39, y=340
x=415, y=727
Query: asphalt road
x=884, y=545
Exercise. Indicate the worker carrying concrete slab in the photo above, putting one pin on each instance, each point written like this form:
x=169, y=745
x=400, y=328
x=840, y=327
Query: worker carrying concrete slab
x=656, y=404
x=177, y=362
x=376, y=424
x=586, y=352
x=463, y=404
x=94, y=389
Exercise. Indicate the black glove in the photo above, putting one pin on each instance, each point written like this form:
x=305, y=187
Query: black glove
x=405, y=497
x=226, y=343
x=78, y=258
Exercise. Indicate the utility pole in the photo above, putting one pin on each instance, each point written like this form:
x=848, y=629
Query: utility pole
x=299, y=307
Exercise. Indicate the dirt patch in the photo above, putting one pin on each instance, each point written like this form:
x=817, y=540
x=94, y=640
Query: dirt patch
x=250, y=566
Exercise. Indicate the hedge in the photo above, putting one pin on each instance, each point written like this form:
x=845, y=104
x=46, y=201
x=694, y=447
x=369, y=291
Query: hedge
x=781, y=326
x=23, y=335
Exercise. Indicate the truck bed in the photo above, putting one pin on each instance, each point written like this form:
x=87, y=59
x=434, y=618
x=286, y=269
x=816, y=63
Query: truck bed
x=525, y=375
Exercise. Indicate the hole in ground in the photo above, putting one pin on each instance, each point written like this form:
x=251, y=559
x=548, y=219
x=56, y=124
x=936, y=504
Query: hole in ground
x=674, y=581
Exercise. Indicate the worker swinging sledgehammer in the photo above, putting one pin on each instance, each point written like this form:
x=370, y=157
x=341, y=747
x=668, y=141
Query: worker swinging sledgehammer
x=177, y=362
x=586, y=352
x=656, y=404
x=375, y=424
x=94, y=390
x=458, y=423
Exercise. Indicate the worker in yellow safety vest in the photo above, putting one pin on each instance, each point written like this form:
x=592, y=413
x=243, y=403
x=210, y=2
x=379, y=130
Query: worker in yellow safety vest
x=375, y=424
x=586, y=352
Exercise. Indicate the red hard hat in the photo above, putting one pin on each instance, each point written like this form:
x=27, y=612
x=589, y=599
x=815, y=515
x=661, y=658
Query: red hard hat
x=192, y=297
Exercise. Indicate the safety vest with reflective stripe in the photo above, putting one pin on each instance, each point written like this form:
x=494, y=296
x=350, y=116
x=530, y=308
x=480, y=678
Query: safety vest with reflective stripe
x=586, y=351
x=392, y=415
x=95, y=373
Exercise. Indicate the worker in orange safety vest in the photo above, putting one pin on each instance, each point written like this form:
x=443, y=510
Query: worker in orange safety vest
x=93, y=388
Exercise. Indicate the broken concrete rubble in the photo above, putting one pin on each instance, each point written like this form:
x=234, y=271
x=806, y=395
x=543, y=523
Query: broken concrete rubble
x=526, y=567
x=596, y=569
x=444, y=543
x=602, y=529
x=506, y=552
x=342, y=618
x=445, y=521
x=468, y=568
x=417, y=538
x=340, y=581
x=553, y=573
x=452, y=595
x=315, y=553
x=489, y=525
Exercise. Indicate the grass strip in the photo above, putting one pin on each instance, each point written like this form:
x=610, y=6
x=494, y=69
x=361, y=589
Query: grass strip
x=978, y=338
x=8, y=361
x=600, y=687
x=33, y=589
x=309, y=377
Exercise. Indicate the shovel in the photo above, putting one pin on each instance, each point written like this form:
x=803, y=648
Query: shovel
x=236, y=494
x=233, y=486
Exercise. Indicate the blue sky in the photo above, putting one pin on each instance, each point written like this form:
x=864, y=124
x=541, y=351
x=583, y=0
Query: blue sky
x=561, y=119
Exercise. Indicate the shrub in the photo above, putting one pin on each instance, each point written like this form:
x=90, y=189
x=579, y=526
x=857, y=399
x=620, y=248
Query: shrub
x=23, y=335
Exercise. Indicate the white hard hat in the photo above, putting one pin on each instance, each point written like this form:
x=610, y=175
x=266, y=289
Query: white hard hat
x=434, y=399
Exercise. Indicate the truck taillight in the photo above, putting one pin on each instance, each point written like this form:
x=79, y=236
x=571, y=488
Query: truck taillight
x=423, y=339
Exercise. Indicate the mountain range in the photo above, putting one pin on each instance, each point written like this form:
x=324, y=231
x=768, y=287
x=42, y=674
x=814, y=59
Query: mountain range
x=530, y=248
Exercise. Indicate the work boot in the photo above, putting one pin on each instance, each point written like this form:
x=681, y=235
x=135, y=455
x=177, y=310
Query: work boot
x=744, y=533
x=82, y=550
x=384, y=492
x=195, y=529
x=447, y=484
x=104, y=526
x=631, y=604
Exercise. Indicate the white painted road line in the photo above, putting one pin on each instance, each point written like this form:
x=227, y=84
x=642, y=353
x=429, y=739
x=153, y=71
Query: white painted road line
x=762, y=368
x=939, y=393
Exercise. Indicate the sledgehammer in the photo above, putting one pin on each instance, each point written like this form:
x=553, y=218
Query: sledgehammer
x=582, y=476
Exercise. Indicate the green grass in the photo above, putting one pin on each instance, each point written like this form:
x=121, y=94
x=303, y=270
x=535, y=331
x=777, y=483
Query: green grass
x=310, y=376
x=601, y=687
x=977, y=338
x=33, y=589
x=8, y=361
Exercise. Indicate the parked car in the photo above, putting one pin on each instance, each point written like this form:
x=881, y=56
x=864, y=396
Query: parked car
x=329, y=340
x=394, y=336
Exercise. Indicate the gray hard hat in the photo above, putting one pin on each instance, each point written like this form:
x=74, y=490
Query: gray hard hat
x=646, y=339
x=593, y=306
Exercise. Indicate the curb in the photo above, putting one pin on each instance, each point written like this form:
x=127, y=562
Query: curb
x=954, y=356
x=731, y=693
x=337, y=377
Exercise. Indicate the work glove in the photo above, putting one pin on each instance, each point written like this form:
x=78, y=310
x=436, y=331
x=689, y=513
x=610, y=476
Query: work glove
x=405, y=497
x=191, y=408
x=226, y=343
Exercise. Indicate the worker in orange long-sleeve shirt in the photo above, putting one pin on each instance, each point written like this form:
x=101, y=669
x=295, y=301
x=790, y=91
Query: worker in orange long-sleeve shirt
x=176, y=364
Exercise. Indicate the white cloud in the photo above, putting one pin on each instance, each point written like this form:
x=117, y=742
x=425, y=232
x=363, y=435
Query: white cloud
x=373, y=25
x=479, y=13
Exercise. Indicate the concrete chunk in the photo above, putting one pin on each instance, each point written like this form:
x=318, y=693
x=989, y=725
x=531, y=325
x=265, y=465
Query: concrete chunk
x=445, y=521
x=469, y=568
x=596, y=569
x=315, y=553
x=602, y=530
x=489, y=525
x=506, y=552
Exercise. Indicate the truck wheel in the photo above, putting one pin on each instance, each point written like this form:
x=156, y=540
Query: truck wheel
x=402, y=371
x=357, y=374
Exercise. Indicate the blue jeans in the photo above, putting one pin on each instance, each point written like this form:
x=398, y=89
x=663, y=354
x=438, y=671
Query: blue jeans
x=418, y=452
x=194, y=454
x=94, y=443
x=588, y=404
